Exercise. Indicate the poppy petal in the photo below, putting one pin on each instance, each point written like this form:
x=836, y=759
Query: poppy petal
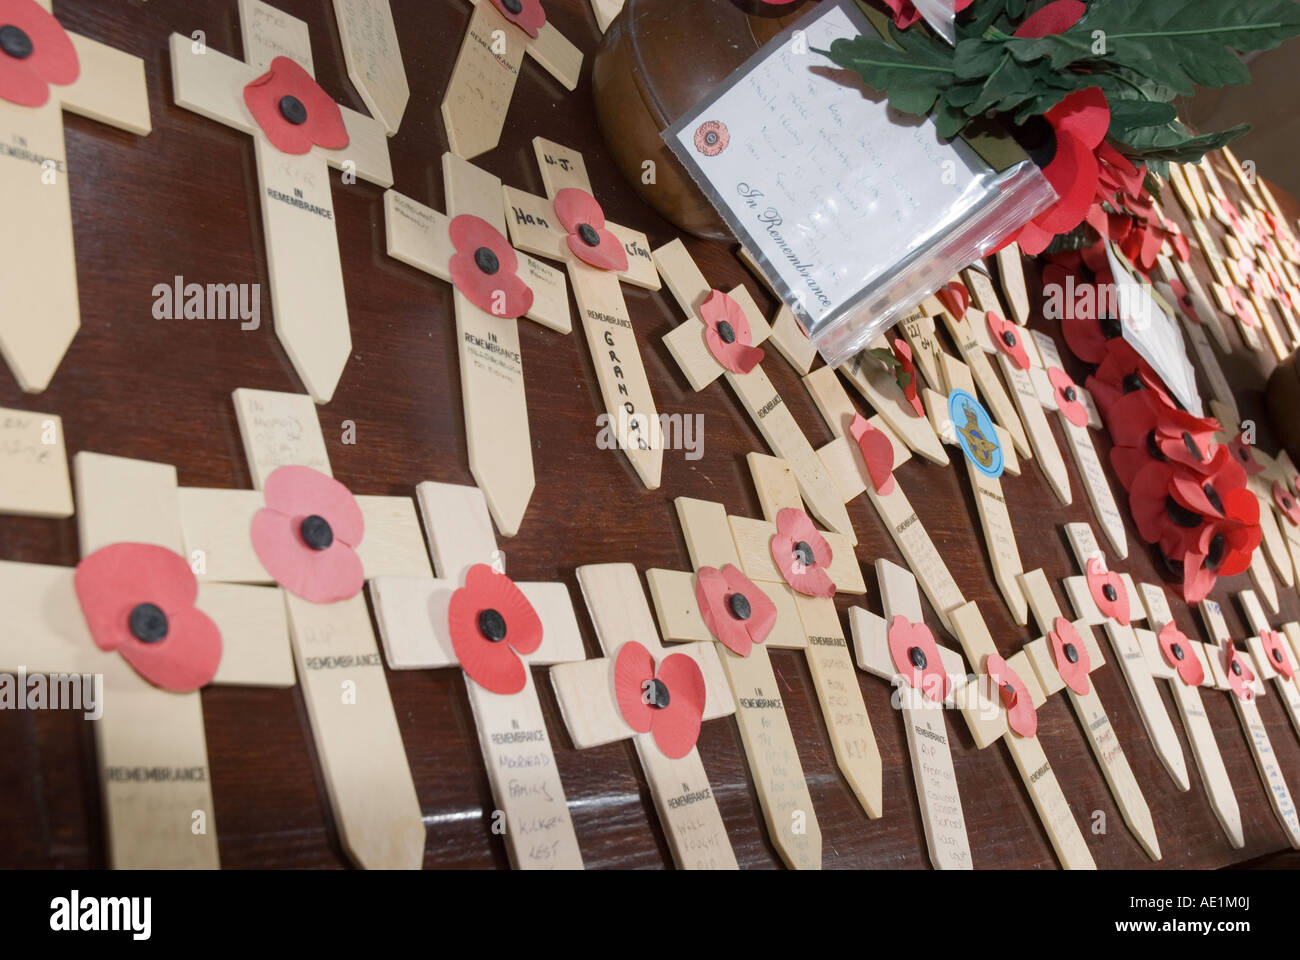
x=1275, y=650
x=1056, y=17
x=323, y=125
x=1286, y=503
x=1240, y=676
x=1178, y=654
x=917, y=659
x=633, y=667
x=1021, y=715
x=877, y=453
x=186, y=659
x=501, y=292
x=807, y=575
x=1072, y=409
x=711, y=595
x=1099, y=579
x=493, y=665
x=530, y=18
x=319, y=576
x=1070, y=654
x=299, y=492
x=676, y=727
x=1008, y=339
x=762, y=611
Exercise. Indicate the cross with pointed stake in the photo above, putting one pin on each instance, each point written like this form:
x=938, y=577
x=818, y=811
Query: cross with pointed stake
x=374, y=58
x=606, y=11
x=586, y=692
x=39, y=264
x=535, y=228
x=302, y=248
x=412, y=613
x=923, y=720
x=483, y=79
x=151, y=823
x=1205, y=748
x=1274, y=659
x=1222, y=655
x=1102, y=587
x=371, y=792
x=753, y=389
x=491, y=362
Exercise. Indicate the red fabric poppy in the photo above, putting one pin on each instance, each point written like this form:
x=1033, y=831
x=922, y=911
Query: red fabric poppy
x=584, y=221
x=485, y=268
x=1067, y=397
x=916, y=658
x=1021, y=715
x=138, y=599
x=1178, y=654
x=1241, y=453
x=1286, y=503
x=1009, y=339
x=906, y=376
x=1071, y=655
x=306, y=535
x=736, y=612
x=293, y=111
x=905, y=14
x=50, y=59
x=667, y=704
x=527, y=15
x=877, y=453
x=727, y=333
x=491, y=623
x=1224, y=547
x=1240, y=676
x=1275, y=650
x=1107, y=589
x=802, y=554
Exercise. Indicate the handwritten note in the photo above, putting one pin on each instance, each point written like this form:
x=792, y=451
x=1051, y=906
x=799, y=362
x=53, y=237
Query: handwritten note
x=270, y=33
x=33, y=465
x=279, y=429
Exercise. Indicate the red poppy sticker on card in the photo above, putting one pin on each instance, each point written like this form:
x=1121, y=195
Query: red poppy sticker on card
x=35, y=52
x=1009, y=339
x=802, y=554
x=293, y=111
x=1021, y=715
x=916, y=658
x=667, y=703
x=1178, y=654
x=485, y=268
x=727, y=333
x=491, y=623
x=877, y=453
x=736, y=612
x=712, y=137
x=588, y=239
x=1107, y=589
x=1070, y=654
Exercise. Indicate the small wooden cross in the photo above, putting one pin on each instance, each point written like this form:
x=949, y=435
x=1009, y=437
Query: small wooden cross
x=483, y=79
x=412, y=613
x=1272, y=659
x=491, y=361
x=754, y=390
x=307, y=297
x=151, y=822
x=36, y=250
x=369, y=782
x=374, y=58
x=1088, y=707
x=683, y=798
x=923, y=719
x=1222, y=656
x=535, y=228
x=876, y=384
x=33, y=465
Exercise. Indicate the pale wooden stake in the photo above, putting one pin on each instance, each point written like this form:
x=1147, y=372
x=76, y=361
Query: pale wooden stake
x=1011, y=272
x=790, y=340
x=877, y=386
x=33, y=465
x=606, y=11
x=374, y=58
x=1287, y=688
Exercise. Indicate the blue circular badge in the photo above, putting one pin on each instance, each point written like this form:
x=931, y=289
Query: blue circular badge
x=975, y=433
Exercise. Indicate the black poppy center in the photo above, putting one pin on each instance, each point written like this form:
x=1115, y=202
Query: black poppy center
x=1110, y=593
x=1245, y=457
x=1071, y=653
x=513, y=6
x=15, y=42
x=486, y=261
x=492, y=625
x=1070, y=394
x=711, y=138
x=1177, y=650
x=316, y=532
x=655, y=693
x=148, y=623
x=1277, y=654
x=1213, y=496
x=1111, y=328
x=1286, y=503
x=1153, y=448
x=1236, y=668
x=1218, y=547
x=739, y=606
x=726, y=331
x=1038, y=139
x=1180, y=514
x=589, y=235
x=803, y=552
x=1009, y=338
x=292, y=109
x=1190, y=443
x=1133, y=382
x=917, y=656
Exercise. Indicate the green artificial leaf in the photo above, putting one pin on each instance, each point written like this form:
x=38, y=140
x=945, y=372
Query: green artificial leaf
x=913, y=70
x=949, y=118
x=1127, y=115
x=1012, y=84
x=1173, y=142
x=976, y=58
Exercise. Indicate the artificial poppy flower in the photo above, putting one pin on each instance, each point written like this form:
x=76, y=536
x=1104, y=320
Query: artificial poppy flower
x=1009, y=339
x=1021, y=715
x=1121, y=371
x=802, y=554
x=293, y=111
x=916, y=658
x=877, y=453
x=727, y=333
x=905, y=375
x=1184, y=298
x=1242, y=455
x=668, y=703
x=1146, y=428
x=1070, y=654
x=485, y=268
x=1172, y=506
x=905, y=14
x=1240, y=676
x=1107, y=590
x=1240, y=308
x=1275, y=650
x=1067, y=397
x=491, y=623
x=306, y=535
x=138, y=599
x=737, y=613
x=1056, y=17
x=584, y=221
x=35, y=51
x=955, y=299
x=1085, y=334
x=1286, y=502
x=1179, y=654
x=527, y=15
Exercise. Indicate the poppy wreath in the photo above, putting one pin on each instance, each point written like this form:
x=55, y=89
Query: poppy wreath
x=491, y=623
x=727, y=333
x=485, y=268
x=736, y=612
x=802, y=554
x=293, y=111
x=35, y=52
x=584, y=221
x=667, y=702
x=527, y=15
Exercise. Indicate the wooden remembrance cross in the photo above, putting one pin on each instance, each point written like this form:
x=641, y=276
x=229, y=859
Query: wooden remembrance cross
x=491, y=362
x=374, y=58
x=152, y=821
x=412, y=613
x=36, y=249
x=683, y=798
x=535, y=228
x=302, y=248
x=363, y=760
x=1273, y=660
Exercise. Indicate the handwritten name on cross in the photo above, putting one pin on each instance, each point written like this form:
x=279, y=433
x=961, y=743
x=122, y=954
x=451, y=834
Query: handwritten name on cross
x=374, y=58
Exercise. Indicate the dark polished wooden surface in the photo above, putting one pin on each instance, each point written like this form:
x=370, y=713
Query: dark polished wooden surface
x=183, y=202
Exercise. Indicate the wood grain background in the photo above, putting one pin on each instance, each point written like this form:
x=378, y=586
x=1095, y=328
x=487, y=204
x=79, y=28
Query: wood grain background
x=183, y=202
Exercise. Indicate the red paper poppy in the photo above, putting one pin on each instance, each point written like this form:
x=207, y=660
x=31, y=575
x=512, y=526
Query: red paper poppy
x=668, y=704
x=1240, y=308
x=584, y=221
x=737, y=613
x=916, y=658
x=1145, y=428
x=1241, y=453
x=293, y=111
x=1085, y=334
x=727, y=333
x=42, y=53
x=1184, y=298
x=491, y=623
x=877, y=453
x=955, y=299
x=1240, y=676
x=1021, y=715
x=802, y=554
x=1178, y=654
x=306, y=536
x=1071, y=655
x=1122, y=371
x=1067, y=397
x=906, y=376
x=527, y=15
x=905, y=14
x=1009, y=339
x=138, y=599
x=1107, y=589
x=485, y=268
x=1275, y=650
x=1286, y=502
